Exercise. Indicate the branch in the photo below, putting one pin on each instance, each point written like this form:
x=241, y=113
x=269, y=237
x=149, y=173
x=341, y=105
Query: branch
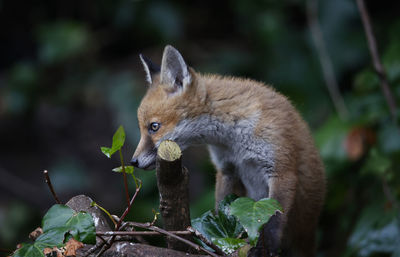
x=173, y=186
x=168, y=233
x=140, y=233
x=325, y=60
x=390, y=100
x=206, y=241
x=48, y=182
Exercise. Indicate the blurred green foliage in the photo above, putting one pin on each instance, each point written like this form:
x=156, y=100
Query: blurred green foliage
x=69, y=75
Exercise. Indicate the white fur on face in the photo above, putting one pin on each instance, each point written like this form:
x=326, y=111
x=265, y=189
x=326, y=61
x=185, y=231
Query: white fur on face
x=231, y=145
x=147, y=160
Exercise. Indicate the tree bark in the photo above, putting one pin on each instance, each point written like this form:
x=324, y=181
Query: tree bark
x=172, y=181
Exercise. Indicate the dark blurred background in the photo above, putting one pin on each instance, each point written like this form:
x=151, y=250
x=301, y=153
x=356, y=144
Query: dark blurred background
x=70, y=75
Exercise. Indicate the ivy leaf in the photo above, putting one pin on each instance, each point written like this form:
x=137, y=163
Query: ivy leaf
x=56, y=216
x=229, y=245
x=128, y=169
x=60, y=222
x=252, y=215
x=117, y=142
x=81, y=226
x=63, y=218
x=222, y=225
x=29, y=250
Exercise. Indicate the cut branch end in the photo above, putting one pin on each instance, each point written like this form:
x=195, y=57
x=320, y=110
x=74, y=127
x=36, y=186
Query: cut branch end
x=169, y=151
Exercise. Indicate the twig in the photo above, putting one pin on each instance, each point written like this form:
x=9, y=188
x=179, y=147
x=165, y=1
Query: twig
x=110, y=241
x=141, y=233
x=48, y=181
x=162, y=231
x=94, y=248
x=205, y=240
x=101, y=238
x=325, y=60
x=372, y=45
x=127, y=208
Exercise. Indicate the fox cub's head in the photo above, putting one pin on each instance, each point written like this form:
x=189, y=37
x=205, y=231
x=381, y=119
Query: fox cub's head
x=174, y=96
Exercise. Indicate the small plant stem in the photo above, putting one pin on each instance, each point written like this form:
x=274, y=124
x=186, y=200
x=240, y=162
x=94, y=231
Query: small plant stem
x=106, y=212
x=125, y=179
x=372, y=45
x=127, y=209
x=48, y=182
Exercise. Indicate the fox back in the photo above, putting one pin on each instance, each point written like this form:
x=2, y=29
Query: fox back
x=258, y=142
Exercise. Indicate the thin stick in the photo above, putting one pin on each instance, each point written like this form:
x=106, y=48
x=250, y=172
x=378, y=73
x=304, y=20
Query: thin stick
x=110, y=241
x=372, y=45
x=94, y=248
x=162, y=231
x=205, y=240
x=101, y=238
x=325, y=60
x=127, y=208
x=48, y=181
x=141, y=233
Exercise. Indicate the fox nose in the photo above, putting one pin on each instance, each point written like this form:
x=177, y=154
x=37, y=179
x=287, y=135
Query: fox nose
x=135, y=162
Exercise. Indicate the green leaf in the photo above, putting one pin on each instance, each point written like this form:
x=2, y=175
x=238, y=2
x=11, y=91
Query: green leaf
x=82, y=227
x=117, y=142
x=222, y=225
x=29, y=250
x=61, y=219
x=56, y=216
x=52, y=237
x=118, y=138
x=128, y=169
x=229, y=245
x=252, y=215
x=107, y=151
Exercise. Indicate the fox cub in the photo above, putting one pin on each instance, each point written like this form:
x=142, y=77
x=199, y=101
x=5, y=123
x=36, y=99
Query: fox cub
x=260, y=145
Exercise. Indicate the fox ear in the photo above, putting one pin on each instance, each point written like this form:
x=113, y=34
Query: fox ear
x=149, y=67
x=174, y=71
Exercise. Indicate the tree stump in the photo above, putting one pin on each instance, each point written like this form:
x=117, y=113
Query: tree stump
x=172, y=181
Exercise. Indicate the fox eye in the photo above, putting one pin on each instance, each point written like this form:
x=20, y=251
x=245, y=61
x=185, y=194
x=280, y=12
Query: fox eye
x=154, y=126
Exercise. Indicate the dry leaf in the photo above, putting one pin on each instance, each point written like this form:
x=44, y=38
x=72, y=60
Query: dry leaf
x=49, y=251
x=36, y=233
x=71, y=247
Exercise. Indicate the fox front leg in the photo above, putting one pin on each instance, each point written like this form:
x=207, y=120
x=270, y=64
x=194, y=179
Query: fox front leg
x=282, y=188
x=227, y=184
